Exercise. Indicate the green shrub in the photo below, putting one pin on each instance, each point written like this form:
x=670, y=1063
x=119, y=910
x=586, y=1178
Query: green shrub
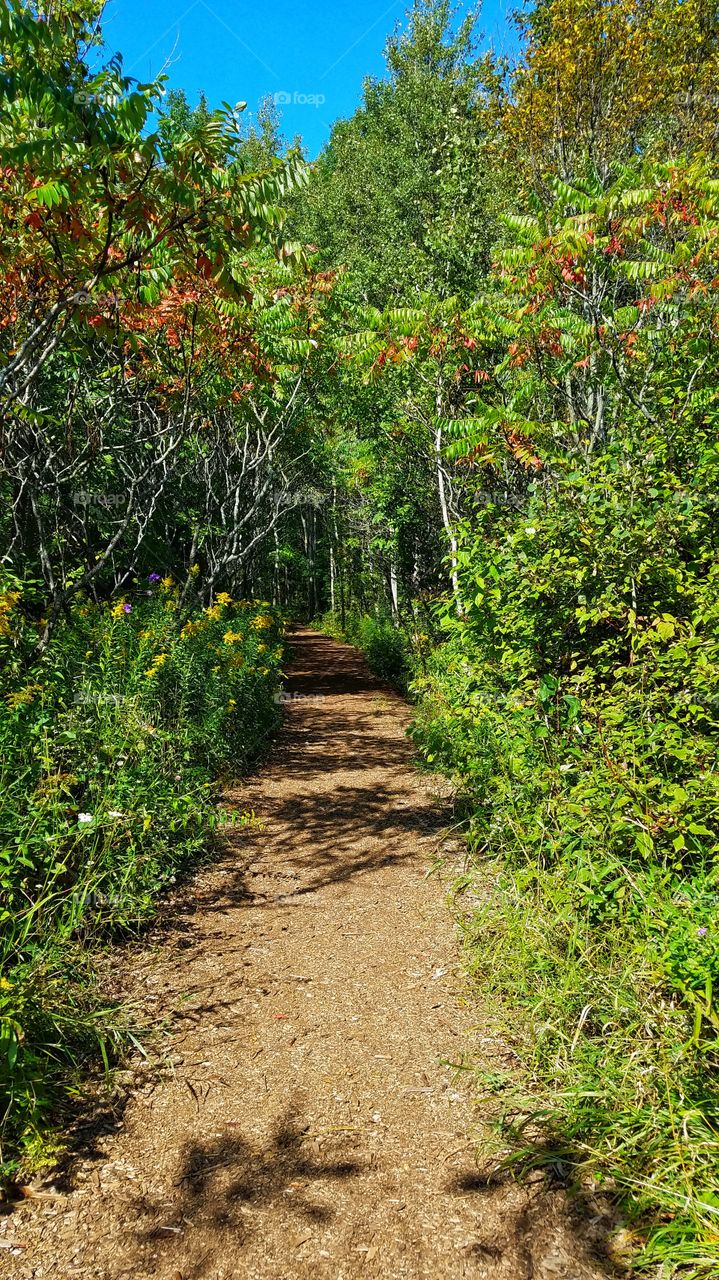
x=576, y=704
x=385, y=646
x=111, y=746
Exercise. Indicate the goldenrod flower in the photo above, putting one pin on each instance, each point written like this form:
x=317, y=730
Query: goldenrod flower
x=191, y=629
x=8, y=600
x=24, y=696
x=156, y=664
x=223, y=598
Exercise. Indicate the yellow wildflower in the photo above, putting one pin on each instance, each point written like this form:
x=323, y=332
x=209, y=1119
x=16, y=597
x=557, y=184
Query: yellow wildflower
x=118, y=610
x=23, y=696
x=213, y=612
x=223, y=598
x=194, y=570
x=232, y=703
x=157, y=662
x=231, y=637
x=262, y=648
x=8, y=600
x=191, y=629
x=168, y=583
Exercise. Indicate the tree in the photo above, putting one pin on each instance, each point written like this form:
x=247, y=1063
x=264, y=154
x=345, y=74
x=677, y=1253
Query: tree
x=400, y=195
x=603, y=81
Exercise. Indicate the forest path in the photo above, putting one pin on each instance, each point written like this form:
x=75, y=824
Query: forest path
x=307, y=1126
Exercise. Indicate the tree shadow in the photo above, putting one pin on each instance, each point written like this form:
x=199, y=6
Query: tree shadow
x=557, y=1208
x=216, y=1180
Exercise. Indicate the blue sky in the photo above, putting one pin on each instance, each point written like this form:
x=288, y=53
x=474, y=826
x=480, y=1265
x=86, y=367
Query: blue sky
x=314, y=54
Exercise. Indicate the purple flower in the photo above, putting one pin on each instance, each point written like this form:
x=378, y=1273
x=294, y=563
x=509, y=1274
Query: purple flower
x=127, y=608
x=700, y=933
x=154, y=577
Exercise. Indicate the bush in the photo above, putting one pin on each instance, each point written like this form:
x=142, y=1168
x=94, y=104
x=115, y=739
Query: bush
x=575, y=703
x=386, y=648
x=111, y=745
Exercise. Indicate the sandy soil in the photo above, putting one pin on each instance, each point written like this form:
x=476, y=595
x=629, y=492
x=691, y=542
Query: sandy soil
x=310, y=1123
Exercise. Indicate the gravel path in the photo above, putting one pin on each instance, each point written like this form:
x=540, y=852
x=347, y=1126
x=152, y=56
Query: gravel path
x=311, y=1124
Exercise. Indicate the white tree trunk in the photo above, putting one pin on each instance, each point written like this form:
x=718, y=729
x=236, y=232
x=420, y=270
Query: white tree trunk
x=446, y=521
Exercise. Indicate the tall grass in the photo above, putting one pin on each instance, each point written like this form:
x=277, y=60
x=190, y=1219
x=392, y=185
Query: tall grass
x=111, y=749
x=600, y=950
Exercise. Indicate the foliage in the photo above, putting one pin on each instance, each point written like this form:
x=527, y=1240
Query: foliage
x=456, y=384
x=557, y=424
x=575, y=699
x=601, y=82
x=387, y=650
x=110, y=749
x=399, y=194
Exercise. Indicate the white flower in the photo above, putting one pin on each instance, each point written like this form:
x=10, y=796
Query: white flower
x=114, y=813
x=84, y=817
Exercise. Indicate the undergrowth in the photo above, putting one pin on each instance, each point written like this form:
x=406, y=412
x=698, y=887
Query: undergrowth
x=387, y=649
x=112, y=744
x=574, y=703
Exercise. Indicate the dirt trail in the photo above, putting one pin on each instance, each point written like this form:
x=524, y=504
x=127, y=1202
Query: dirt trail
x=307, y=1127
